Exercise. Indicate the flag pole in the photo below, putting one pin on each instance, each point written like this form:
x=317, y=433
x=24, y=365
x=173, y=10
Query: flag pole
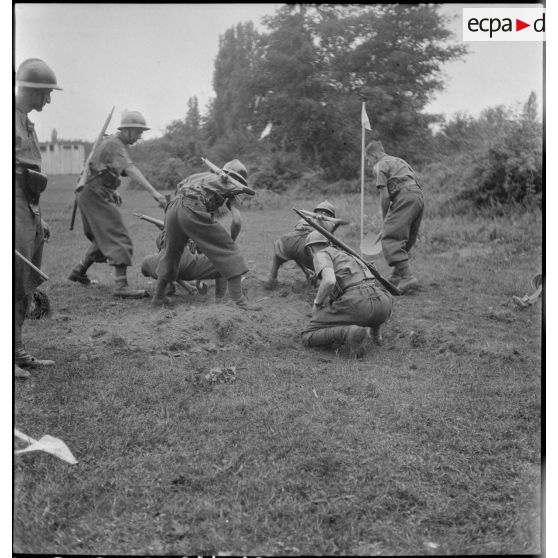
x=363, y=130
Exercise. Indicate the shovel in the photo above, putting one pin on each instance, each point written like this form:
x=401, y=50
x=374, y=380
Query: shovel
x=371, y=244
x=47, y=443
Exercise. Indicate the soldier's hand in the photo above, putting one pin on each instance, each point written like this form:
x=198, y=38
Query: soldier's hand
x=161, y=201
x=311, y=279
x=46, y=231
x=117, y=198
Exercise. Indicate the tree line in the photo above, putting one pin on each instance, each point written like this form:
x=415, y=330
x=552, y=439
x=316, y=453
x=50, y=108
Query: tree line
x=287, y=102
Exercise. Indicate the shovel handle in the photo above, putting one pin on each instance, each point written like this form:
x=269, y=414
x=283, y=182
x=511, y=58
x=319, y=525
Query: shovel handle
x=23, y=436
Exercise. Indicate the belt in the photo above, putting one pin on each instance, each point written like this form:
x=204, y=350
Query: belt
x=352, y=286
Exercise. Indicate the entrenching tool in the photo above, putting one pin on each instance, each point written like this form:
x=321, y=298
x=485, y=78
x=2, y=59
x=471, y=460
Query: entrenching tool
x=85, y=173
x=529, y=300
x=340, y=244
x=48, y=444
x=322, y=217
x=371, y=244
x=157, y=222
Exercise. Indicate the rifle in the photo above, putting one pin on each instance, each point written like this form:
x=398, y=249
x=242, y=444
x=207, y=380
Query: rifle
x=42, y=274
x=85, y=173
x=322, y=217
x=341, y=245
x=157, y=222
x=220, y=172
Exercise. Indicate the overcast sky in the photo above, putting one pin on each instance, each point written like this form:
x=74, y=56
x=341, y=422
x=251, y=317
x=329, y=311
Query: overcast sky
x=153, y=57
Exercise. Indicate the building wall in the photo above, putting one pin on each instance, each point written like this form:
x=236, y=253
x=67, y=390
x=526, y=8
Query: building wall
x=62, y=158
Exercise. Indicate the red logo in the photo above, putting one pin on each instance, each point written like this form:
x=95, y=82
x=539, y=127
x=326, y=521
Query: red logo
x=519, y=25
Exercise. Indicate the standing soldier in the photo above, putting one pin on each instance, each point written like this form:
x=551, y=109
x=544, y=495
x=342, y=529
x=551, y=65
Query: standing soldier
x=102, y=221
x=291, y=246
x=35, y=82
x=350, y=304
x=402, y=208
x=190, y=215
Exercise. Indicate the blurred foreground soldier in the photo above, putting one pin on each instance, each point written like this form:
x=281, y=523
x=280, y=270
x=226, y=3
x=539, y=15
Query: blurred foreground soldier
x=102, y=221
x=291, y=246
x=190, y=215
x=35, y=82
x=350, y=304
x=192, y=267
x=402, y=208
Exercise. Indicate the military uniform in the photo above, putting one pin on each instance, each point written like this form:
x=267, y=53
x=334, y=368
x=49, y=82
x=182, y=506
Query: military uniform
x=190, y=215
x=357, y=300
x=102, y=221
x=290, y=246
x=402, y=222
x=29, y=236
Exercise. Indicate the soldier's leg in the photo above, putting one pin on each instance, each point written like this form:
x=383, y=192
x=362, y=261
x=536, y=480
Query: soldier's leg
x=276, y=263
x=220, y=289
x=171, y=252
x=235, y=291
x=354, y=336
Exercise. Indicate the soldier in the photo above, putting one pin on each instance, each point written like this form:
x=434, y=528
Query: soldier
x=35, y=82
x=190, y=215
x=192, y=267
x=291, y=246
x=402, y=208
x=350, y=304
x=102, y=221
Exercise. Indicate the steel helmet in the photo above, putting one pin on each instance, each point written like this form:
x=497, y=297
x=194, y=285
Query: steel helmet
x=34, y=73
x=326, y=206
x=237, y=170
x=132, y=119
x=315, y=237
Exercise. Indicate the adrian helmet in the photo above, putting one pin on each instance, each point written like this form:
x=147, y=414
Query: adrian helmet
x=36, y=74
x=326, y=206
x=237, y=170
x=133, y=119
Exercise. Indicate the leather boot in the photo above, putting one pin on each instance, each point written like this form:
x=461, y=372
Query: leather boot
x=408, y=281
x=123, y=290
x=245, y=305
x=24, y=360
x=356, y=339
x=376, y=335
x=79, y=275
x=160, y=299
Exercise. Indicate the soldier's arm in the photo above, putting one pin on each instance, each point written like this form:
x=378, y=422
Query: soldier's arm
x=135, y=174
x=384, y=201
x=324, y=270
x=236, y=223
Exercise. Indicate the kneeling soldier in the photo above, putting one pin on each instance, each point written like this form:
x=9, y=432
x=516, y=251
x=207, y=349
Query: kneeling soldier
x=291, y=246
x=192, y=267
x=350, y=304
x=190, y=215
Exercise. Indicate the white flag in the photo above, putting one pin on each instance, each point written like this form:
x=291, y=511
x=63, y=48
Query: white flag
x=364, y=119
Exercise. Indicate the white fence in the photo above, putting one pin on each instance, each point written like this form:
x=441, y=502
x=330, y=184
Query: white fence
x=62, y=158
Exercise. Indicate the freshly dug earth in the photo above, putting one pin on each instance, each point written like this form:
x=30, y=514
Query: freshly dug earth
x=205, y=429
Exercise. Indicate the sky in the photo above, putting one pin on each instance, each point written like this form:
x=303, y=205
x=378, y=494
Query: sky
x=153, y=57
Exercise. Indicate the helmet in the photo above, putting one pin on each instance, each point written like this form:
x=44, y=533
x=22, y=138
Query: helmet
x=237, y=170
x=315, y=237
x=132, y=119
x=34, y=73
x=326, y=206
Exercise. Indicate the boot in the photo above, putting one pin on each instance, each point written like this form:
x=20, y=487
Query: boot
x=123, y=290
x=79, y=275
x=21, y=373
x=24, y=360
x=271, y=283
x=376, y=335
x=408, y=281
x=245, y=305
x=356, y=339
x=395, y=278
x=160, y=298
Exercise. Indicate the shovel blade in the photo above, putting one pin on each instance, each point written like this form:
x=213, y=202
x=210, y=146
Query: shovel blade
x=52, y=445
x=371, y=244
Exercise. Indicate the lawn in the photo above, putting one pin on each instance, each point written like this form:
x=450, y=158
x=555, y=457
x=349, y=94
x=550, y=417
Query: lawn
x=429, y=445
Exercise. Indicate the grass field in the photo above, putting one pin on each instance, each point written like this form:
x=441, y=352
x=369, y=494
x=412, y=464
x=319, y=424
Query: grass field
x=429, y=445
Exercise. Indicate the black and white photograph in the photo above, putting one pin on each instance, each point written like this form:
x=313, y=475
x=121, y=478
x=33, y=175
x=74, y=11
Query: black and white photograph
x=278, y=279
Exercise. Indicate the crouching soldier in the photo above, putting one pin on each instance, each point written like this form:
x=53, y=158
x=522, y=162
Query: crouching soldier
x=190, y=215
x=192, y=267
x=402, y=208
x=350, y=304
x=291, y=246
